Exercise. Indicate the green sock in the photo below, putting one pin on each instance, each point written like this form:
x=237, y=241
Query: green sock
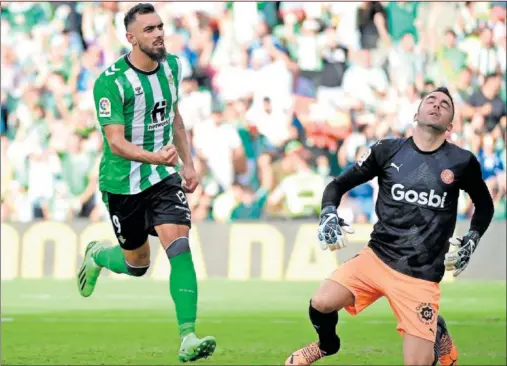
x=112, y=259
x=183, y=286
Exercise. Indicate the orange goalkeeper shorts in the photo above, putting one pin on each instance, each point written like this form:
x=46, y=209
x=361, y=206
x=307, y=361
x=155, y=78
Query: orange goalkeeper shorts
x=415, y=302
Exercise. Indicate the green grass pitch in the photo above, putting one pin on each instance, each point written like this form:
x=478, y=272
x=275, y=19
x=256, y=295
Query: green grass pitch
x=132, y=322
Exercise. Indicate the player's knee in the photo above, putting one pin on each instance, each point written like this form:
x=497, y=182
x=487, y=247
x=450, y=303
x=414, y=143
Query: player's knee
x=420, y=358
x=137, y=271
x=177, y=247
x=322, y=304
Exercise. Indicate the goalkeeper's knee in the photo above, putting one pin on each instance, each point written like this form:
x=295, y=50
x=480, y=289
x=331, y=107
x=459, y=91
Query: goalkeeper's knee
x=325, y=326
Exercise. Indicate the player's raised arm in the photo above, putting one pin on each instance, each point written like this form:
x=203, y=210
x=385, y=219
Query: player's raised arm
x=475, y=186
x=109, y=108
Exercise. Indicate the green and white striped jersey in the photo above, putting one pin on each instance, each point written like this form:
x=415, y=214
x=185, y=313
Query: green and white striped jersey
x=144, y=103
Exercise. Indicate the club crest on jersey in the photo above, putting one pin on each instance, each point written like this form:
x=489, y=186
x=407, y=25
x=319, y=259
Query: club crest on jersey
x=426, y=313
x=447, y=176
x=170, y=78
x=138, y=90
x=104, y=107
x=363, y=157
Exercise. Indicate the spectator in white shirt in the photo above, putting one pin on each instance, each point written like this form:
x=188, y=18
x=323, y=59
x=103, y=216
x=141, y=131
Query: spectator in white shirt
x=218, y=144
x=195, y=104
x=364, y=82
x=484, y=60
x=270, y=121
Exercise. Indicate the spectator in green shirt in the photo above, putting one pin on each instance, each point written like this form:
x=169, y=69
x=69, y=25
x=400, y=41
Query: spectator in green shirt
x=255, y=145
x=450, y=60
x=301, y=192
x=241, y=201
x=77, y=166
x=401, y=16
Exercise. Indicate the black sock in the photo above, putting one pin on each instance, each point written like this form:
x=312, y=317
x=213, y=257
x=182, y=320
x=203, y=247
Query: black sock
x=436, y=351
x=441, y=329
x=325, y=326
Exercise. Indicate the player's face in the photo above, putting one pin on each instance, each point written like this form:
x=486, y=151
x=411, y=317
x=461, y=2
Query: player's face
x=435, y=112
x=147, y=32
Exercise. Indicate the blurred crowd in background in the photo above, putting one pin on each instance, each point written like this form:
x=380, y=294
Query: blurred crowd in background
x=277, y=98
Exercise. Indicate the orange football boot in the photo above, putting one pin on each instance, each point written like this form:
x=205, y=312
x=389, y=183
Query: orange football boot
x=448, y=351
x=305, y=356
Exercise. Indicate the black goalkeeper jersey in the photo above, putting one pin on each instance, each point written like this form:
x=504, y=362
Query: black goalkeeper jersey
x=417, y=201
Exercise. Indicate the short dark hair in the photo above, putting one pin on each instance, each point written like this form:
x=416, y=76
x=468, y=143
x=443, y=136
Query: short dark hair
x=138, y=9
x=490, y=76
x=443, y=89
x=450, y=31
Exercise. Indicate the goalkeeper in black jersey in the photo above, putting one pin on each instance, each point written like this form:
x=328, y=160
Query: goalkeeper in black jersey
x=419, y=183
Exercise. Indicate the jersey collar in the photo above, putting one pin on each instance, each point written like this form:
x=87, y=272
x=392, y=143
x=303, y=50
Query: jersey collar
x=154, y=71
x=426, y=152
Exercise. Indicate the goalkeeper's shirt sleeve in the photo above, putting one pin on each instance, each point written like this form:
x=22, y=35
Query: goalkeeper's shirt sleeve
x=108, y=101
x=475, y=186
x=365, y=169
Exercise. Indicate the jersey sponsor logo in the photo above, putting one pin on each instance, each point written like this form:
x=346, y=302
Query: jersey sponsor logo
x=363, y=157
x=104, y=107
x=111, y=71
x=158, y=116
x=430, y=199
x=155, y=126
x=447, y=176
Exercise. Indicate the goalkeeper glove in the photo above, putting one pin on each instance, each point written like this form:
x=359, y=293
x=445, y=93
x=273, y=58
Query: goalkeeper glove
x=331, y=230
x=457, y=261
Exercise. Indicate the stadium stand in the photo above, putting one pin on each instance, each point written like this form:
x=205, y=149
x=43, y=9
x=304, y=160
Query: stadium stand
x=277, y=98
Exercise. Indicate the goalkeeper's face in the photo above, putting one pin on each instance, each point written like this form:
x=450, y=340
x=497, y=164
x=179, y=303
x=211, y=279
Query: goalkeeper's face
x=147, y=32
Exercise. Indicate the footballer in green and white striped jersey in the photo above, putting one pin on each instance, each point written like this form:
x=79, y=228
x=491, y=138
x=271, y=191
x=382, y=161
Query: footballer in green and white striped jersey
x=142, y=184
x=144, y=103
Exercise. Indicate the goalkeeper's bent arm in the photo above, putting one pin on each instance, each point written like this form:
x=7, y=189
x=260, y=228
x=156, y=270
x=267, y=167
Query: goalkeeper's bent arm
x=364, y=170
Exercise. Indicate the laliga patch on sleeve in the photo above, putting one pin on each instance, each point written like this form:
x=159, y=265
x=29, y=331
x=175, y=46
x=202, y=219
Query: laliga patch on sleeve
x=363, y=157
x=104, y=107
